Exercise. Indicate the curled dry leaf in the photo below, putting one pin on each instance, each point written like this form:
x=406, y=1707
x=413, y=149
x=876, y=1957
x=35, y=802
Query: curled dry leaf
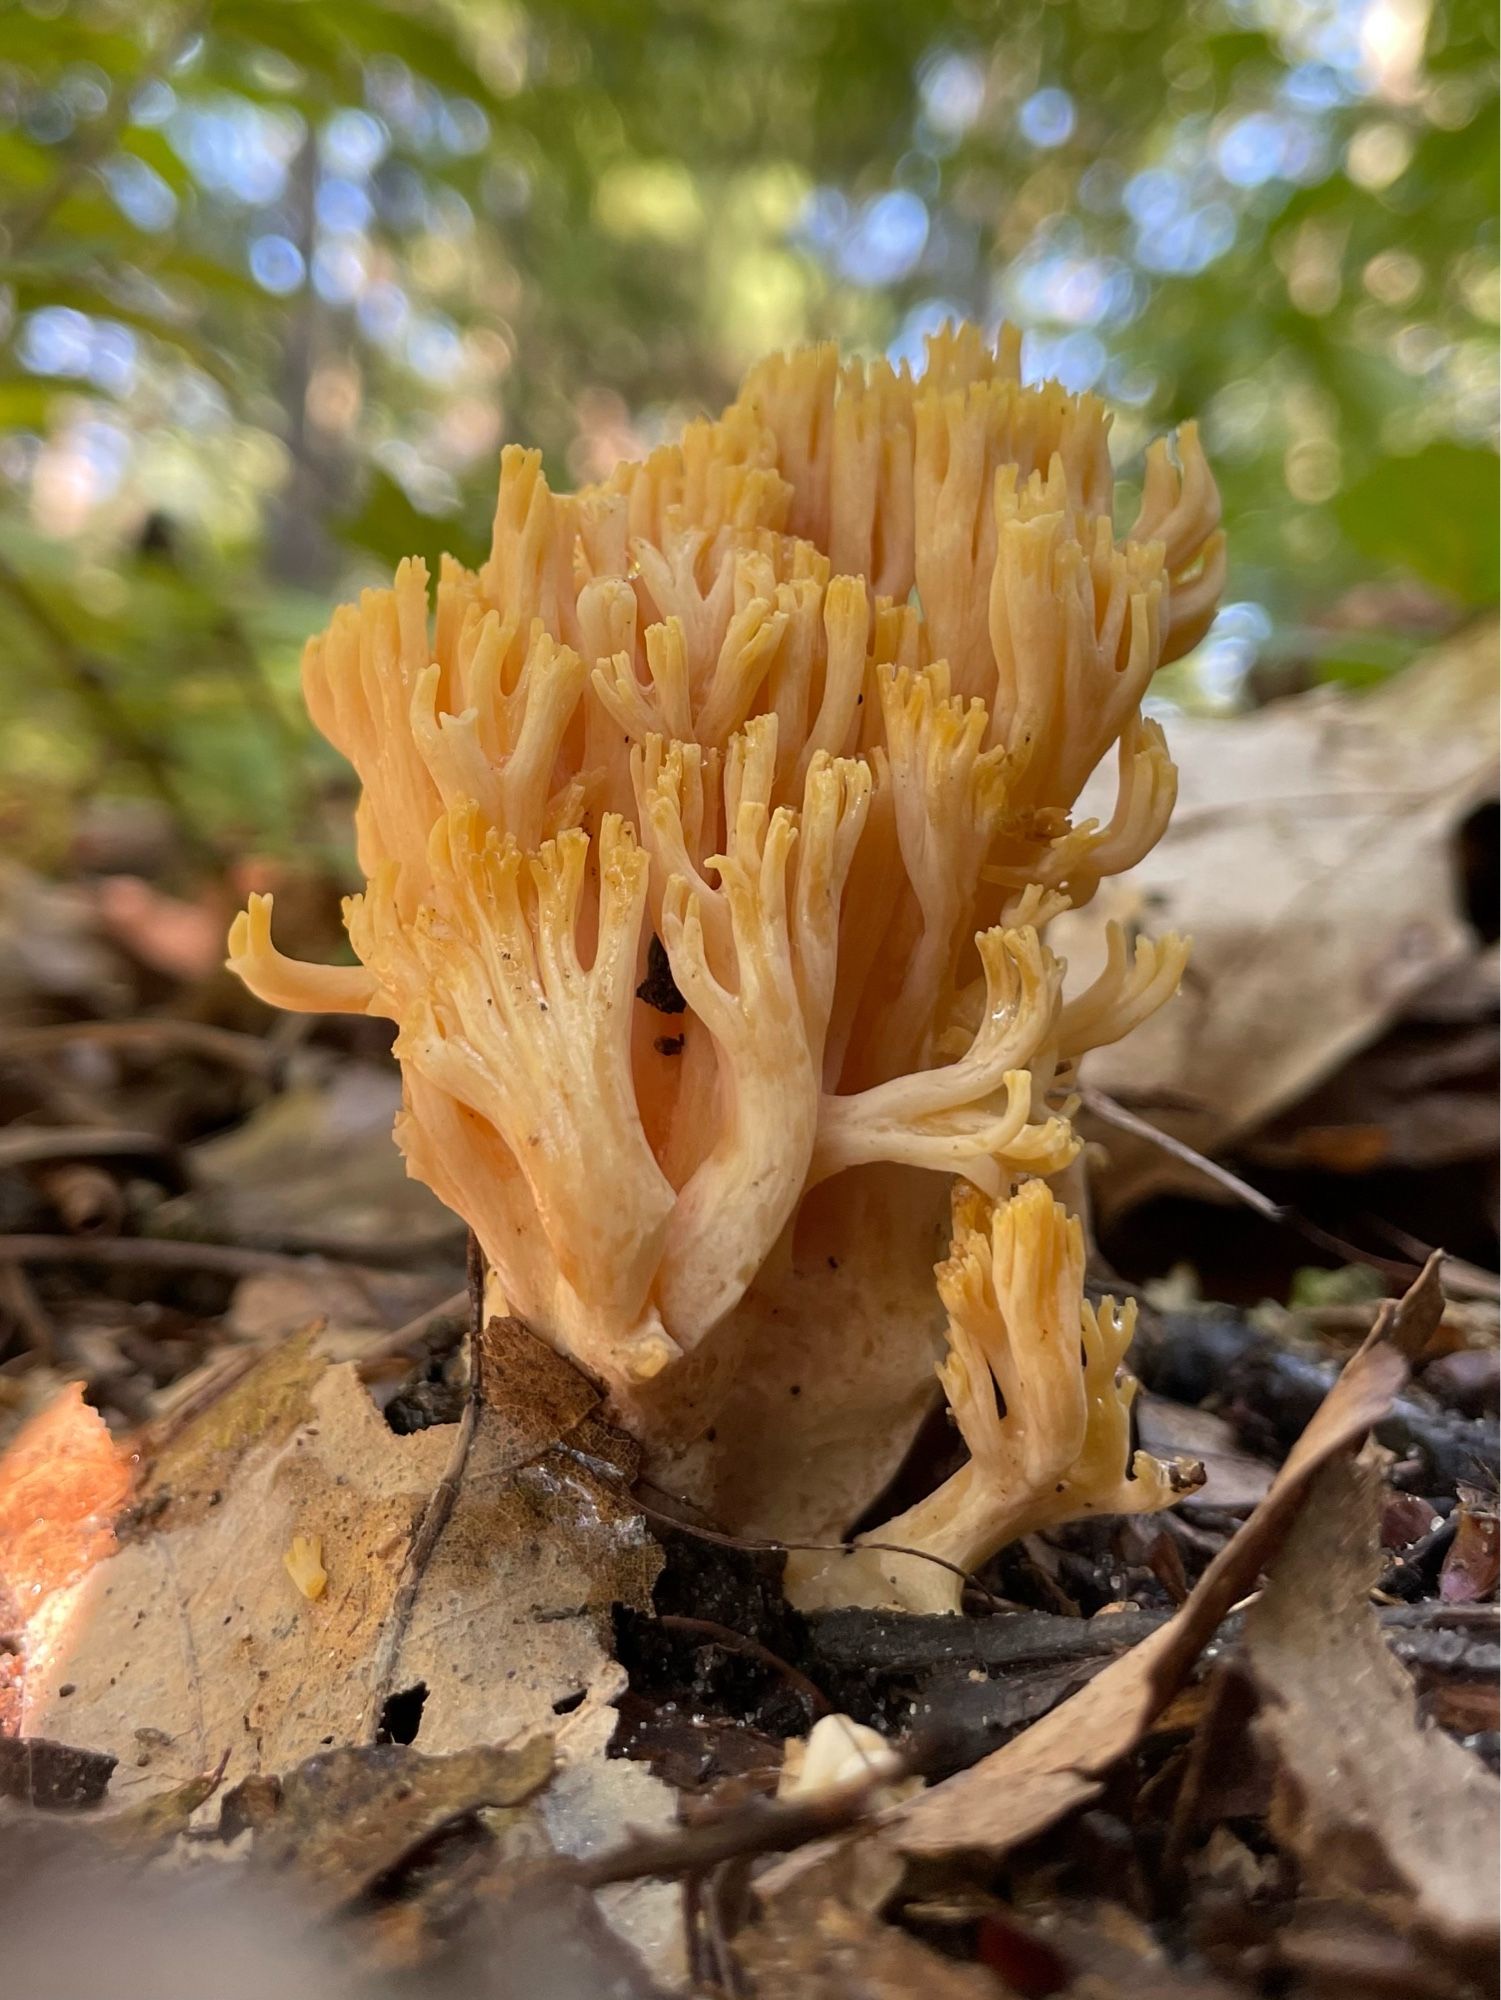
x=1374, y=1803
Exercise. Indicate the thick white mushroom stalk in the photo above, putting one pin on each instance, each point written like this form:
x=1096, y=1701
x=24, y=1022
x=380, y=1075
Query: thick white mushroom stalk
x=711, y=832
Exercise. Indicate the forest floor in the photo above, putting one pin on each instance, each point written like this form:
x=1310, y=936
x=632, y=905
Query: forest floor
x=1244, y=1747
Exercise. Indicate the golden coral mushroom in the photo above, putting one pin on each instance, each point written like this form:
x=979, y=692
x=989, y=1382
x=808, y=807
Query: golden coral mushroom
x=710, y=830
x=1033, y=1378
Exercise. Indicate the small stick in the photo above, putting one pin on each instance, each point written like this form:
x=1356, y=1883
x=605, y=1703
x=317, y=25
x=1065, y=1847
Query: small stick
x=436, y=1514
x=449, y=1316
x=25, y=1145
x=159, y=1253
x=435, y=1518
x=772, y=1827
x=226, y=1045
x=1115, y=1113
x=740, y=1642
x=755, y=1545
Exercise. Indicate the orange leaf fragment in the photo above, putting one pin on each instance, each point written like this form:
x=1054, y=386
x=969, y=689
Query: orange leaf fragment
x=63, y=1482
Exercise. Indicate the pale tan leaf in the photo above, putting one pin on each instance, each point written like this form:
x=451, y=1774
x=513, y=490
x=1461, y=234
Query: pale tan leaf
x=194, y=1632
x=1310, y=860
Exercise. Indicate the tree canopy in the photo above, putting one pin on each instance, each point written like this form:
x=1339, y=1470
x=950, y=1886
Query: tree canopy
x=277, y=279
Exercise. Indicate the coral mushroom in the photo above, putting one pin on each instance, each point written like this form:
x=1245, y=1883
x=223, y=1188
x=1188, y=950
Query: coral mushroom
x=1049, y=1434
x=711, y=832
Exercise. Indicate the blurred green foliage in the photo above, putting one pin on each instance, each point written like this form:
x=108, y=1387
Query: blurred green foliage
x=277, y=278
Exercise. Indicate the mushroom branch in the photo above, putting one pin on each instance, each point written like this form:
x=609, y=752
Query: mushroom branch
x=1049, y=1433
x=711, y=830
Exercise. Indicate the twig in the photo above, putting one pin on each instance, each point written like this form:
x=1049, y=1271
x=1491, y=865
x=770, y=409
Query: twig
x=226, y=1045
x=450, y=1315
x=436, y=1514
x=1461, y=1280
x=755, y=1545
x=741, y=1642
x=159, y=1253
x=772, y=1826
x=435, y=1518
x=25, y=1145
x=1115, y=1113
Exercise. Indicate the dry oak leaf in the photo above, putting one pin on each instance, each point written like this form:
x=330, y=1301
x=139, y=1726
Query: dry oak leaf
x=1375, y=1803
x=194, y=1630
x=495, y=1603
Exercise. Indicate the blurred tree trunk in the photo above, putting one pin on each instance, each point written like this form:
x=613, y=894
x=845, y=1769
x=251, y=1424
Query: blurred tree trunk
x=300, y=549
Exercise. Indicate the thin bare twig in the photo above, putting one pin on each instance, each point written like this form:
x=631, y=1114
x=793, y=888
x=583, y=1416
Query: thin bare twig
x=773, y=1826
x=161, y=1253
x=226, y=1045
x=26, y=1145
x=1462, y=1280
x=426, y=1330
x=1115, y=1113
x=741, y=1642
x=436, y=1514
x=756, y=1545
x=435, y=1518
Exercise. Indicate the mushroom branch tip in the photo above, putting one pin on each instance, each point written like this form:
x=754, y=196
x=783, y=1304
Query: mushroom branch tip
x=710, y=832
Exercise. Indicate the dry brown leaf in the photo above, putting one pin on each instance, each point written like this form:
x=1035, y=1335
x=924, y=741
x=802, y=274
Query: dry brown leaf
x=1310, y=861
x=1375, y=1804
x=833, y=1952
x=489, y=1611
x=471, y=1571
x=1057, y=1764
x=509, y=1628
x=346, y=1817
x=193, y=1630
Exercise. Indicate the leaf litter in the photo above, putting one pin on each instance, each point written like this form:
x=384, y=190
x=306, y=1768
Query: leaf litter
x=365, y=1755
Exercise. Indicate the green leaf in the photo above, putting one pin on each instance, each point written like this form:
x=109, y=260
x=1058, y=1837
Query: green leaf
x=1434, y=514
